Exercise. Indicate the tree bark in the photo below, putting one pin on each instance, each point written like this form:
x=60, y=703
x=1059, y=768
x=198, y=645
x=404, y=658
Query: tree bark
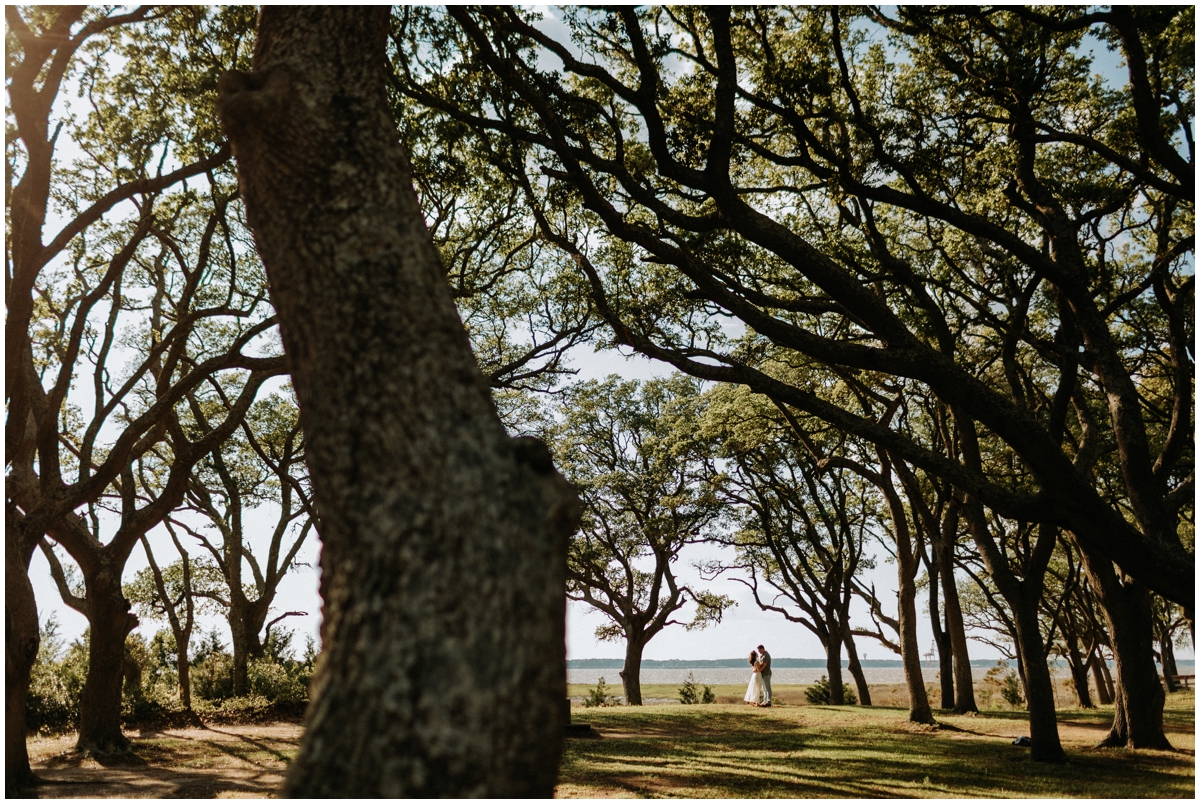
x=245, y=624
x=21, y=641
x=860, y=679
x=1139, y=698
x=906, y=569
x=941, y=638
x=444, y=541
x=1104, y=690
x=1035, y=674
x=631, y=674
x=110, y=621
x=943, y=551
x=1079, y=678
x=1166, y=652
x=833, y=666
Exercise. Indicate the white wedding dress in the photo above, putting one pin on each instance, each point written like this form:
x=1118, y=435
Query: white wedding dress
x=754, y=692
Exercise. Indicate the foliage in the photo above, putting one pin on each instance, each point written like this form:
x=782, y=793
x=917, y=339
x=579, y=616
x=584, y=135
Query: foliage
x=56, y=682
x=691, y=693
x=598, y=695
x=854, y=213
x=634, y=453
x=818, y=693
x=1006, y=681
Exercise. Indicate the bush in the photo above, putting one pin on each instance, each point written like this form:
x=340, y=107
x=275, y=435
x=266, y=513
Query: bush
x=212, y=677
x=1010, y=690
x=690, y=692
x=56, y=682
x=278, y=682
x=818, y=694
x=598, y=695
x=1007, y=683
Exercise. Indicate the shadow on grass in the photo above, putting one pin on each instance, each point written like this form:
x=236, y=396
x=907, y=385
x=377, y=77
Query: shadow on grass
x=845, y=753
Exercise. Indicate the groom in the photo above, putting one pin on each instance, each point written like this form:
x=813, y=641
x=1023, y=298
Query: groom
x=764, y=659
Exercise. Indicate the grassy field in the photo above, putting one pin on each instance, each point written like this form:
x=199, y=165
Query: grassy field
x=737, y=751
x=720, y=751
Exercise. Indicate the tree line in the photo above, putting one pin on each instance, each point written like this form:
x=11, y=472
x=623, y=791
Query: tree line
x=934, y=275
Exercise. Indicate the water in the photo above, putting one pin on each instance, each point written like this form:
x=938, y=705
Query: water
x=875, y=674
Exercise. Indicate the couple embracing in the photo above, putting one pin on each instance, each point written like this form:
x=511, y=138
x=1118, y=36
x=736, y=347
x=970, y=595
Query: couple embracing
x=759, y=691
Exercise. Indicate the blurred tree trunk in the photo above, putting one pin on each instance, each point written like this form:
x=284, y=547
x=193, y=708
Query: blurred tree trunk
x=444, y=541
x=21, y=639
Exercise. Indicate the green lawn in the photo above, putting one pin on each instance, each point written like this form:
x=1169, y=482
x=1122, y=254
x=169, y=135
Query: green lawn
x=732, y=751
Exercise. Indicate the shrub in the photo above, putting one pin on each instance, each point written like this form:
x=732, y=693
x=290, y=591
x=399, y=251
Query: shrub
x=1010, y=690
x=56, y=682
x=278, y=682
x=598, y=695
x=818, y=694
x=212, y=677
x=691, y=693
x=1006, y=682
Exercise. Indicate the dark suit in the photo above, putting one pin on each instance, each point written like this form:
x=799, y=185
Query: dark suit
x=765, y=659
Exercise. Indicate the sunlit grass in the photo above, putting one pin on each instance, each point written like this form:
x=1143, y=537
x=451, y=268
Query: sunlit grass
x=855, y=752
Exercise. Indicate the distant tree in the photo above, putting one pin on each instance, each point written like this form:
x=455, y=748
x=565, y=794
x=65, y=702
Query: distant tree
x=259, y=467
x=642, y=469
x=951, y=223
x=803, y=528
x=142, y=299
x=170, y=593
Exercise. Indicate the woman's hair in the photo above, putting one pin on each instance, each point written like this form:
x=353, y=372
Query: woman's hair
x=753, y=657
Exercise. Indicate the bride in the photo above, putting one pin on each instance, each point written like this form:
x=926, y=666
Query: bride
x=754, y=692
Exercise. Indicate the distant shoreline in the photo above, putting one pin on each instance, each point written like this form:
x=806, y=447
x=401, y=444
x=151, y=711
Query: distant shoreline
x=672, y=664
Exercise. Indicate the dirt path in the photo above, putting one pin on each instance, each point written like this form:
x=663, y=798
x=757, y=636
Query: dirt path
x=214, y=762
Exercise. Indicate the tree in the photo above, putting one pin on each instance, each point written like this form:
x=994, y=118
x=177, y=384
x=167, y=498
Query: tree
x=644, y=478
x=803, y=527
x=169, y=593
x=981, y=223
x=443, y=540
x=1016, y=556
x=259, y=466
x=139, y=292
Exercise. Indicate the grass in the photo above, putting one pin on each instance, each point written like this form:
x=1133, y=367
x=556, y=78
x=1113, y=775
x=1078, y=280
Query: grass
x=730, y=751
x=719, y=751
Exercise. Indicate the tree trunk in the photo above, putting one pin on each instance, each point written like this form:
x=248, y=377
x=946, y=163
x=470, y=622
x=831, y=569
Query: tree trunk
x=1166, y=652
x=21, y=640
x=1077, y=664
x=941, y=638
x=860, y=679
x=833, y=666
x=906, y=568
x=910, y=651
x=183, y=667
x=1104, y=690
x=631, y=675
x=1039, y=686
x=1138, y=720
x=245, y=644
x=110, y=622
x=964, y=681
x=1079, y=678
x=444, y=541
